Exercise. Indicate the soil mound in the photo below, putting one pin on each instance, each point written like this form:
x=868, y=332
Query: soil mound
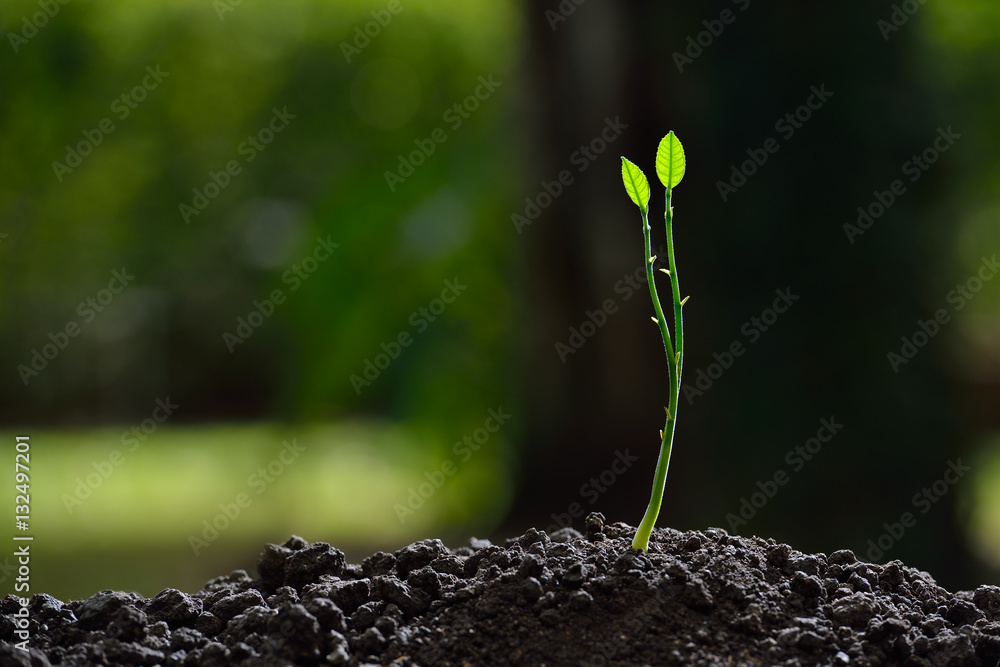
x=697, y=598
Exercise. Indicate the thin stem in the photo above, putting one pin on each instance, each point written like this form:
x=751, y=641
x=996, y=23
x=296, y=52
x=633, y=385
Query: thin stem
x=660, y=319
x=674, y=363
x=678, y=317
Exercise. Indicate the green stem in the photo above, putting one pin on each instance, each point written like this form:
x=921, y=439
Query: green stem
x=678, y=317
x=660, y=319
x=674, y=363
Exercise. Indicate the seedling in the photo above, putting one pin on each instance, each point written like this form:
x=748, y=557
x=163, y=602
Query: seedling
x=670, y=170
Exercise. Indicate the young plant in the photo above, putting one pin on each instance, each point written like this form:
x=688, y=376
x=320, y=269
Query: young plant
x=670, y=170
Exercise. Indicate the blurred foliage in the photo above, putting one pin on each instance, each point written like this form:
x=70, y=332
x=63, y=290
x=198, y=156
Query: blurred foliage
x=963, y=48
x=321, y=177
x=961, y=51
x=354, y=104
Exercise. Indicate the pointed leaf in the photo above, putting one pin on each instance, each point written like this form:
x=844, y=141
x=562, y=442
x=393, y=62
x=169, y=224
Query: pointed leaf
x=636, y=184
x=670, y=161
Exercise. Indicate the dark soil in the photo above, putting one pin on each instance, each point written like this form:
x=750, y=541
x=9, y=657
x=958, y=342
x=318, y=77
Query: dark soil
x=697, y=598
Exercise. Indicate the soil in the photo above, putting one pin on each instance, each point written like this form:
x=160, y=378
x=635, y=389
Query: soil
x=697, y=598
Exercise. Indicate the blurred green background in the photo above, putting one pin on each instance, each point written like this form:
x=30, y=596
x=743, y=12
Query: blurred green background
x=308, y=267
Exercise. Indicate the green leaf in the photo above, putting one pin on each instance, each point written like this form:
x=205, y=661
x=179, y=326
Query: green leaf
x=670, y=161
x=636, y=184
